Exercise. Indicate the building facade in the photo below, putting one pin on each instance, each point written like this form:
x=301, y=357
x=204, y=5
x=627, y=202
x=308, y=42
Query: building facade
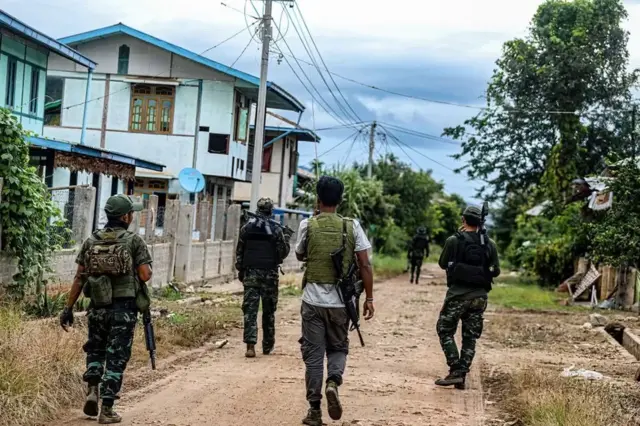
x=158, y=101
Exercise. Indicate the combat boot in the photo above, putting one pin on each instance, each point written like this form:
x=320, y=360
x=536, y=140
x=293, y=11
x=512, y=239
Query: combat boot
x=108, y=416
x=333, y=400
x=91, y=403
x=411, y=280
x=463, y=385
x=251, y=351
x=314, y=418
x=454, y=378
x=267, y=350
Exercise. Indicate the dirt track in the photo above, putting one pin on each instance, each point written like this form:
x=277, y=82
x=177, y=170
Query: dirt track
x=389, y=382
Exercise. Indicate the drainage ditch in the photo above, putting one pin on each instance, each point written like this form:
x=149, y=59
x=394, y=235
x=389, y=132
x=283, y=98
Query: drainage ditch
x=627, y=338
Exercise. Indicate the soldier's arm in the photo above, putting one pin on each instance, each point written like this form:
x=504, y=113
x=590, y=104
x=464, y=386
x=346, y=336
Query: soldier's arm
x=301, y=244
x=240, y=250
x=76, y=287
x=283, y=245
x=447, y=252
x=142, y=259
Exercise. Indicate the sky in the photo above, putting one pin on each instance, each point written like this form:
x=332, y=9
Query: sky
x=443, y=51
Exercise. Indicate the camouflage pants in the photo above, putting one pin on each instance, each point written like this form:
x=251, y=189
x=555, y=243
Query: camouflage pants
x=471, y=313
x=254, y=290
x=416, y=265
x=109, y=346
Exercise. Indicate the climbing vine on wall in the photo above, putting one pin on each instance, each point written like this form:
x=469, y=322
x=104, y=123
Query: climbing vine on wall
x=27, y=213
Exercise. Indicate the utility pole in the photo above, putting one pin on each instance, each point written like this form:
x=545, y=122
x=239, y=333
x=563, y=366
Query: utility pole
x=262, y=107
x=633, y=131
x=372, y=145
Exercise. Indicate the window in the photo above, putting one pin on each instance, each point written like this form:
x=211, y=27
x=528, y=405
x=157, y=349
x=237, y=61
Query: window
x=293, y=161
x=241, y=113
x=12, y=71
x=54, y=91
x=139, y=183
x=157, y=184
x=35, y=87
x=151, y=108
x=218, y=143
x=266, y=158
x=123, y=59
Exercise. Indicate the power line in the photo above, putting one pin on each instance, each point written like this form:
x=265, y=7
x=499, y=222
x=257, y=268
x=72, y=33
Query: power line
x=357, y=132
x=420, y=134
x=243, y=50
x=296, y=12
x=399, y=142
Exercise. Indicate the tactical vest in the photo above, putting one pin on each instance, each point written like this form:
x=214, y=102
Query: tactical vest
x=471, y=266
x=260, y=249
x=109, y=266
x=419, y=245
x=325, y=234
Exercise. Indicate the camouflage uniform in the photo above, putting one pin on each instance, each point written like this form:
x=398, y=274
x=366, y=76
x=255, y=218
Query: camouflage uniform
x=418, y=250
x=465, y=303
x=260, y=283
x=111, y=329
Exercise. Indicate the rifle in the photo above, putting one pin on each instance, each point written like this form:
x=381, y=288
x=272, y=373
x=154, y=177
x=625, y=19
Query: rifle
x=285, y=229
x=348, y=289
x=149, y=337
x=483, y=228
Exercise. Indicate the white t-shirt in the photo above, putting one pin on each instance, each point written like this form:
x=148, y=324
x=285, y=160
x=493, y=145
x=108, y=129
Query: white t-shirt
x=325, y=295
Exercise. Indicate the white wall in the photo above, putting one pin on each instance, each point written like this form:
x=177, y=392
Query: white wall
x=92, y=137
x=119, y=106
x=185, y=110
x=74, y=98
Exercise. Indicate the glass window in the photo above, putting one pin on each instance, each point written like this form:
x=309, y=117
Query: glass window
x=35, y=87
x=266, y=158
x=165, y=120
x=123, y=59
x=12, y=71
x=153, y=106
x=152, y=109
x=136, y=114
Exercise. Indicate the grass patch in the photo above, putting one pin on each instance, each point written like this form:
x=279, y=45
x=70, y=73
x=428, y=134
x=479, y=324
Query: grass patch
x=387, y=266
x=169, y=293
x=434, y=253
x=535, y=397
x=513, y=293
x=41, y=366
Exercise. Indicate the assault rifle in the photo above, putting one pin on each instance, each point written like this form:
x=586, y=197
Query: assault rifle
x=348, y=289
x=149, y=337
x=285, y=229
x=483, y=218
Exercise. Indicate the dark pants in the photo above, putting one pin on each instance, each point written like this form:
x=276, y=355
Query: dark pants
x=416, y=265
x=268, y=292
x=109, y=346
x=470, y=312
x=324, y=331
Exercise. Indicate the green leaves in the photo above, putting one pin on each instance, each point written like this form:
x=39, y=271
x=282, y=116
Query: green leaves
x=26, y=209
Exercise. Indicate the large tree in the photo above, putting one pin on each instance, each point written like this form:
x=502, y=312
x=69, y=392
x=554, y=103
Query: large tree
x=558, y=102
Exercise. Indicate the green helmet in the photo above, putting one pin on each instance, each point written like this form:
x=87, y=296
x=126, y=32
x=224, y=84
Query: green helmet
x=265, y=206
x=119, y=205
x=421, y=230
x=473, y=211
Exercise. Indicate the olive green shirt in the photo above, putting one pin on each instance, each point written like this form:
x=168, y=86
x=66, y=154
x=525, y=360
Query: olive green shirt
x=460, y=290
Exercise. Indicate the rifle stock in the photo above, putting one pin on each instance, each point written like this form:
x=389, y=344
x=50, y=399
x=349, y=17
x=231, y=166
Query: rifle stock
x=149, y=338
x=285, y=229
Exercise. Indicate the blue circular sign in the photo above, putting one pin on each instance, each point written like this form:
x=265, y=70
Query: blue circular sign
x=191, y=180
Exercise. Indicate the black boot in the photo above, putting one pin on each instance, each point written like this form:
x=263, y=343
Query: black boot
x=411, y=281
x=454, y=378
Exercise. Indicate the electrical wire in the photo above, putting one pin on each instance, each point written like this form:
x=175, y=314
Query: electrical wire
x=400, y=144
x=352, y=114
x=420, y=134
x=340, y=143
x=243, y=50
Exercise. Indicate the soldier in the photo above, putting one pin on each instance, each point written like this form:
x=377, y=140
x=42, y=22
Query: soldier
x=418, y=250
x=262, y=246
x=325, y=324
x=470, y=268
x=113, y=268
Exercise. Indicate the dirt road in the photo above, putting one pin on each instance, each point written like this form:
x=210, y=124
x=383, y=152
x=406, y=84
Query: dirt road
x=388, y=382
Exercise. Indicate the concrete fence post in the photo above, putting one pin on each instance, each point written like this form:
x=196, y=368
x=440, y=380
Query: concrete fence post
x=184, y=239
x=220, y=221
x=1, y=186
x=135, y=225
x=171, y=213
x=204, y=218
x=84, y=207
x=150, y=223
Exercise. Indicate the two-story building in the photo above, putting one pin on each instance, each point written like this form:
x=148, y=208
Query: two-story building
x=26, y=55
x=156, y=100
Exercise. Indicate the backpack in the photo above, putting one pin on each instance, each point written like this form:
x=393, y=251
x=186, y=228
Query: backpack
x=471, y=265
x=108, y=256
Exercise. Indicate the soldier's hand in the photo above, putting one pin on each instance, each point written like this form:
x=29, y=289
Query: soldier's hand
x=66, y=318
x=368, y=309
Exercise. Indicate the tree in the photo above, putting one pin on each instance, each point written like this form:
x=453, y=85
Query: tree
x=26, y=212
x=557, y=104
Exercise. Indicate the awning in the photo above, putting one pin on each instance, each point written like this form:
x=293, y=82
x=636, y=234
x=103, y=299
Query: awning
x=155, y=175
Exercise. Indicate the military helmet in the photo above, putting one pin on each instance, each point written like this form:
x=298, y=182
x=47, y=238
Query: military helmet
x=421, y=230
x=265, y=205
x=473, y=211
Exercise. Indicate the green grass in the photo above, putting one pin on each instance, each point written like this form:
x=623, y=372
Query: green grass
x=388, y=266
x=517, y=293
x=434, y=253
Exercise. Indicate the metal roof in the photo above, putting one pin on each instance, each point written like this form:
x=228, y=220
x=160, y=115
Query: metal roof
x=93, y=152
x=43, y=40
x=284, y=99
x=305, y=135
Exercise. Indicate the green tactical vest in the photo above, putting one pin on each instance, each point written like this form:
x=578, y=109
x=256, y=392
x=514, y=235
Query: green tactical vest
x=324, y=235
x=109, y=266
